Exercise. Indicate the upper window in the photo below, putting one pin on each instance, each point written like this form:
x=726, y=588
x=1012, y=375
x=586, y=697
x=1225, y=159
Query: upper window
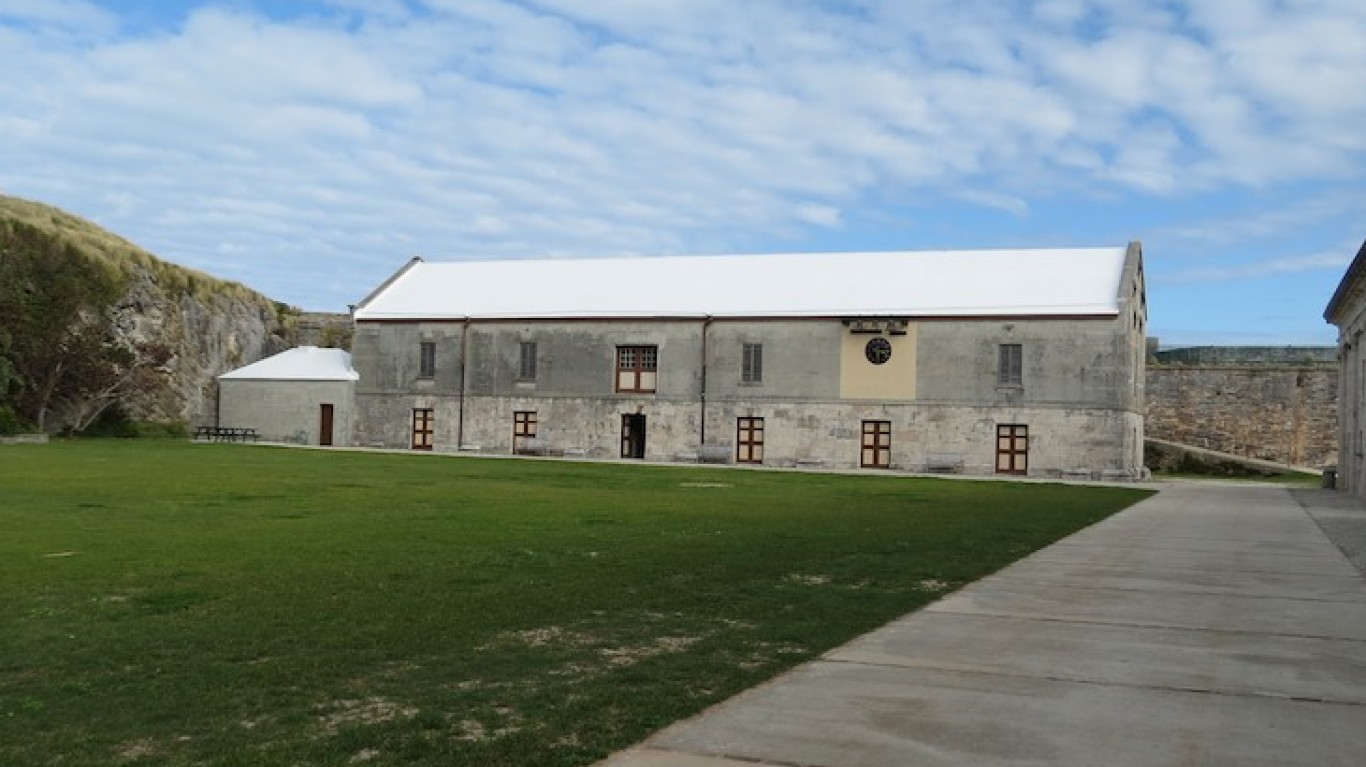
x=1010, y=367
x=637, y=367
x=526, y=369
x=752, y=366
x=426, y=365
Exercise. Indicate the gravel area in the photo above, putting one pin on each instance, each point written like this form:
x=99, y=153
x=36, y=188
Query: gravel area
x=1342, y=518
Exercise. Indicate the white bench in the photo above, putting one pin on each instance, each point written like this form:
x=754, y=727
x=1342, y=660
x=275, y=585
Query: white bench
x=713, y=454
x=944, y=463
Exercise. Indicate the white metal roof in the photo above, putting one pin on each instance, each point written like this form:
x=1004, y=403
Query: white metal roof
x=1077, y=281
x=306, y=363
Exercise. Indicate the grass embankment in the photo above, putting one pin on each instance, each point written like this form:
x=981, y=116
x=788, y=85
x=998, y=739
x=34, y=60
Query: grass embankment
x=1294, y=479
x=164, y=603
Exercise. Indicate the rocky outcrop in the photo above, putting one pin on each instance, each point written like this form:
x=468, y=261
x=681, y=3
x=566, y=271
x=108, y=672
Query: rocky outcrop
x=183, y=328
x=208, y=332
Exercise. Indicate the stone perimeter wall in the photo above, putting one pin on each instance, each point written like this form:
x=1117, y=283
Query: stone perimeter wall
x=1275, y=411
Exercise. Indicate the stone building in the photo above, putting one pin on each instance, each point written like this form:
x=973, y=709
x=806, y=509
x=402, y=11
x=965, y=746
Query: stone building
x=300, y=395
x=1347, y=310
x=1021, y=362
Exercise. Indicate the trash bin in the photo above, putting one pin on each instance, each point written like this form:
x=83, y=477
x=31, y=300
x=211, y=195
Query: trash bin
x=1330, y=477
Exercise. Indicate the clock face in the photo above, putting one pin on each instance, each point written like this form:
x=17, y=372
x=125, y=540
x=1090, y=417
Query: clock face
x=878, y=351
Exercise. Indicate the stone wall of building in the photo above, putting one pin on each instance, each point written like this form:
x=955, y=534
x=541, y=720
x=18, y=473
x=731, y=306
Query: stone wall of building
x=1280, y=407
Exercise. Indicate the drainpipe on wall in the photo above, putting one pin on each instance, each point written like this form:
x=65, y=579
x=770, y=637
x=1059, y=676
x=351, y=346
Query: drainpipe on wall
x=464, y=354
x=706, y=323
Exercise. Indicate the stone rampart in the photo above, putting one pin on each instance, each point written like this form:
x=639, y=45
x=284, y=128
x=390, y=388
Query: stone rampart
x=1280, y=407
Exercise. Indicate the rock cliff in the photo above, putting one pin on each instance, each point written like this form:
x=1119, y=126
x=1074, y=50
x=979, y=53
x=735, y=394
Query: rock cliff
x=199, y=326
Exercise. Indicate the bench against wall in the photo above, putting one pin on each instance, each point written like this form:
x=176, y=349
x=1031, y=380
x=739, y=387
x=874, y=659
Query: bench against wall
x=944, y=463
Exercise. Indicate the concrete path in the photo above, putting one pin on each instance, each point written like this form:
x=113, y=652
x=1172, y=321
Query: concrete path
x=1209, y=625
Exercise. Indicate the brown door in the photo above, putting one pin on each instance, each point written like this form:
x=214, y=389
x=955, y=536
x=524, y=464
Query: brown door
x=325, y=425
x=876, y=450
x=1012, y=448
x=422, y=429
x=749, y=440
x=523, y=430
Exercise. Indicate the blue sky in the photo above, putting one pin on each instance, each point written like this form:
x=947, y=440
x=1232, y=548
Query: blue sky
x=308, y=149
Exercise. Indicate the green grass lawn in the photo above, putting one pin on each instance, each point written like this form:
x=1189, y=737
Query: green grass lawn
x=168, y=603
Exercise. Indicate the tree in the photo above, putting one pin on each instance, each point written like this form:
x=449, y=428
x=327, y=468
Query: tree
x=117, y=373
x=53, y=308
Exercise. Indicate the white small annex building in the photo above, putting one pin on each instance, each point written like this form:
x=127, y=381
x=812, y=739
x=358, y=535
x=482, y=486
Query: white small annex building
x=1347, y=310
x=987, y=361
x=302, y=395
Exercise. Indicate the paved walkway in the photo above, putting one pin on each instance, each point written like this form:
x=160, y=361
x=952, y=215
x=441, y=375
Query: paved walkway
x=1209, y=625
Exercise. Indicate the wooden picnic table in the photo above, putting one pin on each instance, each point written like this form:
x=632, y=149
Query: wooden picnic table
x=226, y=433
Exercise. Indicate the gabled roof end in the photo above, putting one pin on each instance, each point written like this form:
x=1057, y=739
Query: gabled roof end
x=412, y=262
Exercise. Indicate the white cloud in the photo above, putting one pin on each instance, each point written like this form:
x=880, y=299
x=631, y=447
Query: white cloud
x=1334, y=261
x=349, y=136
x=70, y=15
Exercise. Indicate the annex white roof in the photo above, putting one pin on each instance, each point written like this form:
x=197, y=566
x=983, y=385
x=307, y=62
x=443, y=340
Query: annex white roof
x=305, y=363
x=1074, y=282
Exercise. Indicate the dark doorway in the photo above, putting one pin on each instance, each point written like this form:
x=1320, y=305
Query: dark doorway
x=325, y=425
x=632, y=435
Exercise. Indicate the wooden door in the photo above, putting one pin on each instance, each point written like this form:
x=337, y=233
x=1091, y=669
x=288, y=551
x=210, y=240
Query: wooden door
x=422, y=428
x=325, y=424
x=749, y=440
x=1012, y=448
x=876, y=446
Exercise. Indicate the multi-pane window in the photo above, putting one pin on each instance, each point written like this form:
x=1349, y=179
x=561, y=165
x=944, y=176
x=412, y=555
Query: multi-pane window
x=1010, y=365
x=752, y=364
x=523, y=429
x=876, y=445
x=524, y=423
x=749, y=440
x=526, y=368
x=422, y=428
x=1012, y=448
x=426, y=359
x=637, y=367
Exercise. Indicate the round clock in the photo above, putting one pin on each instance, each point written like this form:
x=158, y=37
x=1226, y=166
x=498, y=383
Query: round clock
x=878, y=351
